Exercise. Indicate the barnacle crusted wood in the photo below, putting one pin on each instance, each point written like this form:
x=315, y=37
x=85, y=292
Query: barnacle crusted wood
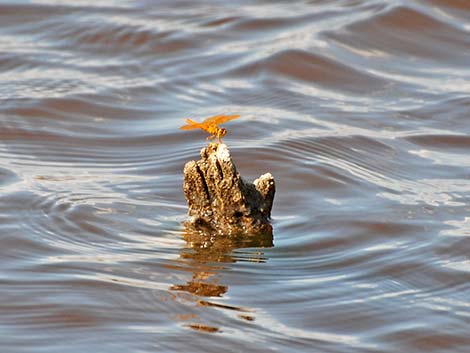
x=218, y=198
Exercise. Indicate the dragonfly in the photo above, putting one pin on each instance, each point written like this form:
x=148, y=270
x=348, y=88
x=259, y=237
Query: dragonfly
x=211, y=126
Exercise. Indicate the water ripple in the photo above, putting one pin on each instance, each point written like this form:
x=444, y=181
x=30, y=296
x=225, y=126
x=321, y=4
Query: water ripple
x=359, y=110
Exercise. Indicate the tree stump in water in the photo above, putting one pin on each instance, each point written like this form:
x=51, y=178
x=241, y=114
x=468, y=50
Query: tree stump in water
x=220, y=201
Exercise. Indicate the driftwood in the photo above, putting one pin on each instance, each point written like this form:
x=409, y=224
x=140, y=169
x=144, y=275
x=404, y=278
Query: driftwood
x=220, y=201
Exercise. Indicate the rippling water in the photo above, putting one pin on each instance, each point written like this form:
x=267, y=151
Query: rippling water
x=360, y=109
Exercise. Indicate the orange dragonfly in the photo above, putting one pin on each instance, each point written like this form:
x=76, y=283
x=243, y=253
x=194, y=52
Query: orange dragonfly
x=211, y=125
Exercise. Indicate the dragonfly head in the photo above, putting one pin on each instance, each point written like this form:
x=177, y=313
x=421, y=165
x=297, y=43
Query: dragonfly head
x=222, y=132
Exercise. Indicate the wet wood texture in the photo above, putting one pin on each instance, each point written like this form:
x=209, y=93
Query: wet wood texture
x=220, y=201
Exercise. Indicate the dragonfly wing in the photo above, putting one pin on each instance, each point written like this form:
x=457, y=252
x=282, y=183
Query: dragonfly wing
x=219, y=119
x=191, y=125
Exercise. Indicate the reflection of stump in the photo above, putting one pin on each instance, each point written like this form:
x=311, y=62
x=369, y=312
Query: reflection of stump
x=219, y=200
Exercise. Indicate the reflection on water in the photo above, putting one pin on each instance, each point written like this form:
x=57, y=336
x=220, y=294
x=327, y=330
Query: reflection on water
x=204, y=256
x=359, y=108
x=207, y=248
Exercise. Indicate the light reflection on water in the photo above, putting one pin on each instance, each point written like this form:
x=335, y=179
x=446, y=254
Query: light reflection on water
x=359, y=110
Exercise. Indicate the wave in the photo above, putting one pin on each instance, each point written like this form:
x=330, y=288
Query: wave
x=404, y=31
x=303, y=66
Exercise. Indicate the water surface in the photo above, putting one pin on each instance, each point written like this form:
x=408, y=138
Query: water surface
x=360, y=110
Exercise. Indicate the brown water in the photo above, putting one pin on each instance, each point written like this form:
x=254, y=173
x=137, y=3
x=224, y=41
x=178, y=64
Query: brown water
x=361, y=111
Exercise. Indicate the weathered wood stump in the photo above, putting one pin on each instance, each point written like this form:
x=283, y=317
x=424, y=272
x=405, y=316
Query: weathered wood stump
x=220, y=201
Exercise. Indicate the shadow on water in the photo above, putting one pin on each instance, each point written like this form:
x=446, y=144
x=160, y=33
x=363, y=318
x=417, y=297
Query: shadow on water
x=204, y=253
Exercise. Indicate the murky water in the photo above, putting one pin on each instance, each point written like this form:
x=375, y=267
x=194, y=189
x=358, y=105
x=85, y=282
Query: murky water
x=360, y=109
